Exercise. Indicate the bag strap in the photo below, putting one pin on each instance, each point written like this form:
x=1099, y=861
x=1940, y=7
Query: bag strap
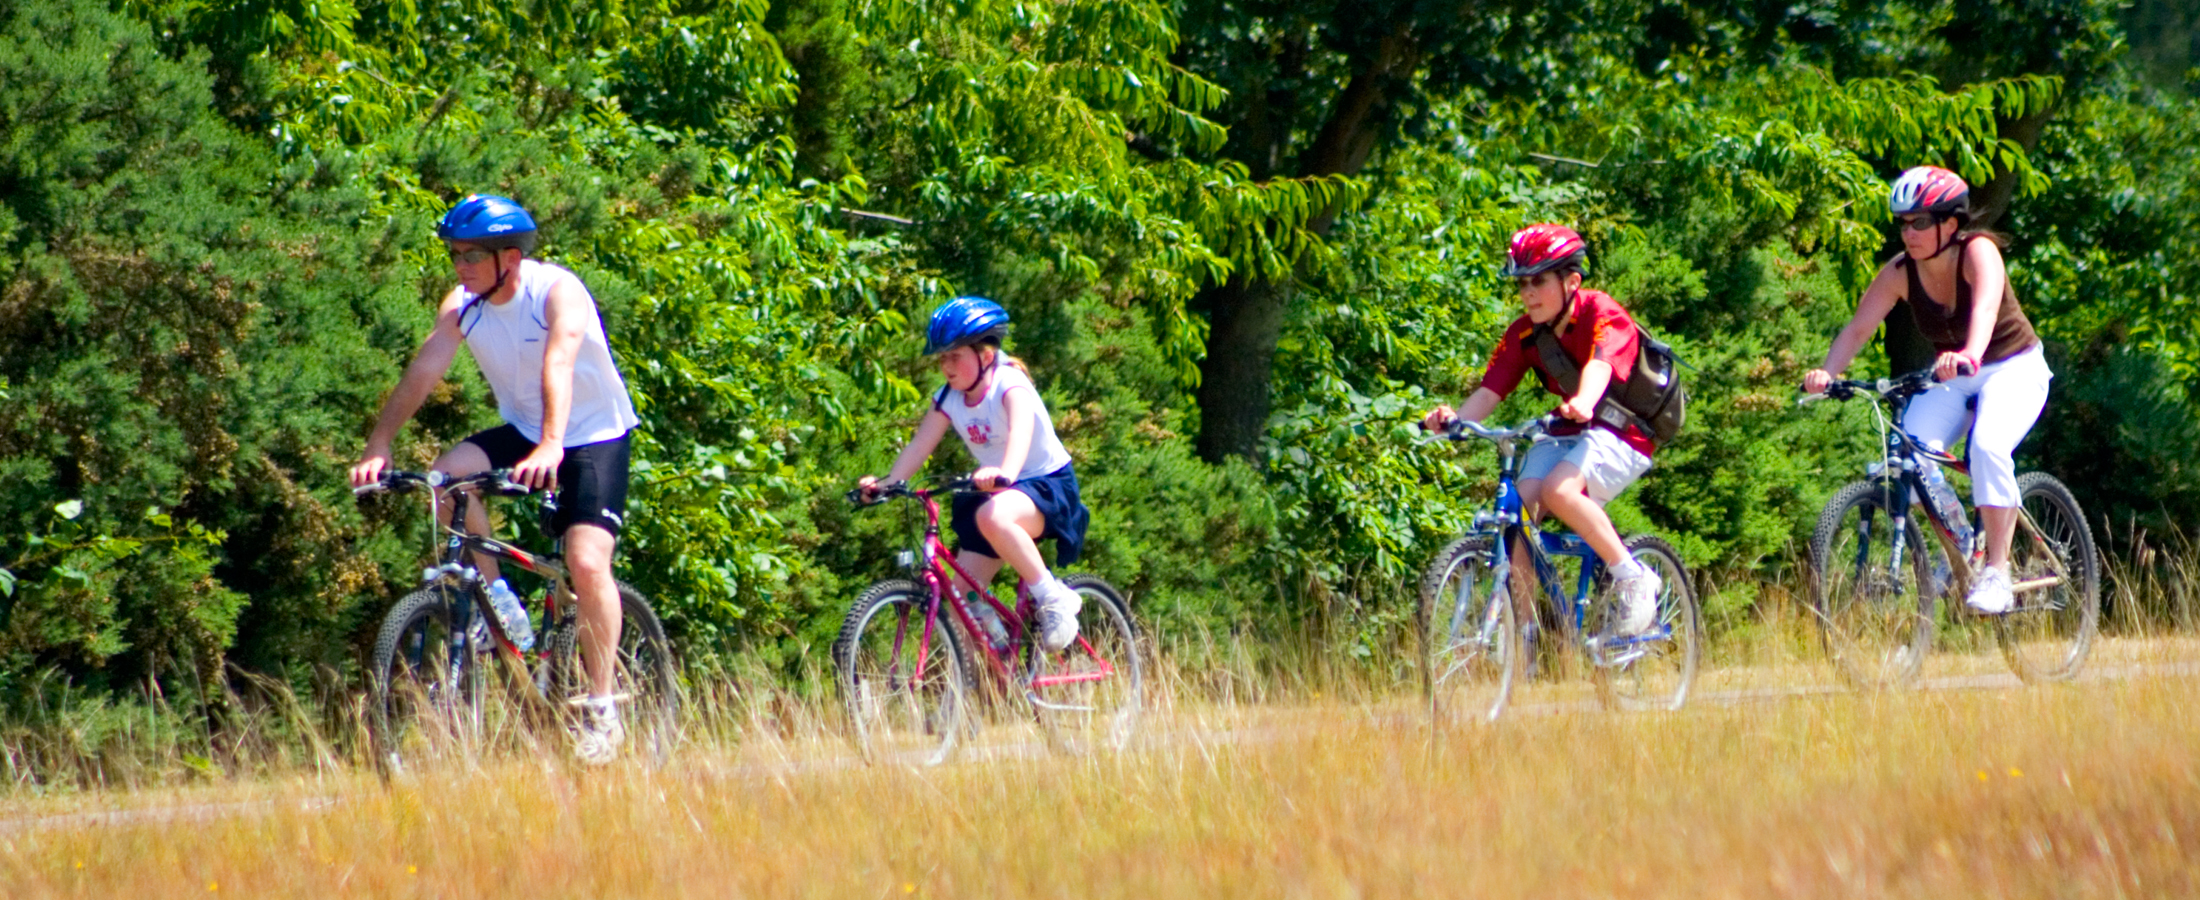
x=1567, y=373
x=1556, y=363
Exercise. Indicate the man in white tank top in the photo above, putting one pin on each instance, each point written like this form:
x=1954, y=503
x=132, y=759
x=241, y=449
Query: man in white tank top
x=535, y=332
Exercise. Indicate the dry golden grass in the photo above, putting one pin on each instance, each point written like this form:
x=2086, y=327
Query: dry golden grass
x=2089, y=790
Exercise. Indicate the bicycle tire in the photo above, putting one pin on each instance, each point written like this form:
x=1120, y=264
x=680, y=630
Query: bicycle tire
x=893, y=717
x=422, y=699
x=1473, y=658
x=1875, y=624
x=1087, y=716
x=1660, y=674
x=646, y=678
x=2047, y=637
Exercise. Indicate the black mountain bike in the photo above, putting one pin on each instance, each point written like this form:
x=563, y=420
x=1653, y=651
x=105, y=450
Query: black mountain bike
x=432, y=664
x=1875, y=580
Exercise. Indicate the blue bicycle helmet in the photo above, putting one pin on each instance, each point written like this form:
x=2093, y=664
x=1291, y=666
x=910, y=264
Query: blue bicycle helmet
x=963, y=321
x=488, y=220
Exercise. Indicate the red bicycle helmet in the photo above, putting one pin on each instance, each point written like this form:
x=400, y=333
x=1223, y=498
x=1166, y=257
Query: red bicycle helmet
x=1540, y=248
x=1930, y=189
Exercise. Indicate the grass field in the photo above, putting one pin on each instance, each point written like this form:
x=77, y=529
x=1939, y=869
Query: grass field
x=2086, y=790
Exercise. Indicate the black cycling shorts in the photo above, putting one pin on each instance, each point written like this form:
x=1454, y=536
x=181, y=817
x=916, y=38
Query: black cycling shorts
x=591, y=480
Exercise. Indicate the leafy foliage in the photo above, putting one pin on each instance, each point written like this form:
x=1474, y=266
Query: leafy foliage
x=215, y=254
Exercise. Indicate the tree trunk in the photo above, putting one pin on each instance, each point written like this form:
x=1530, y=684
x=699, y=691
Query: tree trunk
x=1246, y=317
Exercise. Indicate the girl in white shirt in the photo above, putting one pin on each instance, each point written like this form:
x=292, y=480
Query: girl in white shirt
x=1030, y=490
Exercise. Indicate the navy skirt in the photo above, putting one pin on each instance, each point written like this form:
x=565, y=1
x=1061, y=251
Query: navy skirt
x=1055, y=494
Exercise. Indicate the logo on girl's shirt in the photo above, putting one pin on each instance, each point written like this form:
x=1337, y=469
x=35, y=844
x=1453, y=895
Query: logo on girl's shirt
x=981, y=433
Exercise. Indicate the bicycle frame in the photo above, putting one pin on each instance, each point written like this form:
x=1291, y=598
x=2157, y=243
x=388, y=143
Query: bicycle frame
x=1901, y=468
x=934, y=563
x=1506, y=523
x=458, y=543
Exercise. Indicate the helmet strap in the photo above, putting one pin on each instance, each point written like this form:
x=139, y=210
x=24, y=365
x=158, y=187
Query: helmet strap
x=502, y=272
x=1945, y=244
x=984, y=369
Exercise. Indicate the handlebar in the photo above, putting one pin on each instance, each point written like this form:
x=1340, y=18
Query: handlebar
x=497, y=481
x=899, y=489
x=1901, y=386
x=1461, y=429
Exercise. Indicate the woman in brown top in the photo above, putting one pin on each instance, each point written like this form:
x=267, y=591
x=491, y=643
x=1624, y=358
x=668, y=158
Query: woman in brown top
x=1957, y=290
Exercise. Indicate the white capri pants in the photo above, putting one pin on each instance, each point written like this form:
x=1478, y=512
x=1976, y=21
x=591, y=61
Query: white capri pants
x=2010, y=395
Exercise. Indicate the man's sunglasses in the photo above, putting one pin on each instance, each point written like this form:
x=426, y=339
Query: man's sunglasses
x=472, y=257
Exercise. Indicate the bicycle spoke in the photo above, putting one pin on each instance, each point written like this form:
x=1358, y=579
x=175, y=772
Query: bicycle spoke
x=1872, y=616
x=2056, y=568
x=904, y=697
x=1088, y=697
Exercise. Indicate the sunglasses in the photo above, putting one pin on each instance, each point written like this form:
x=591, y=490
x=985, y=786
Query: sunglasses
x=1920, y=223
x=475, y=256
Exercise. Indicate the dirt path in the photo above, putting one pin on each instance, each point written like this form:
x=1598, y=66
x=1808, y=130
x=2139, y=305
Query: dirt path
x=820, y=751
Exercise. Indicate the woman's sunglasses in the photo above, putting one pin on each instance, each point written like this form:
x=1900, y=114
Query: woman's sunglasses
x=1920, y=223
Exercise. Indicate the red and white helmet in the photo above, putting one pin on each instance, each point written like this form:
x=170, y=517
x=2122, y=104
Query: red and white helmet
x=1929, y=189
x=1540, y=248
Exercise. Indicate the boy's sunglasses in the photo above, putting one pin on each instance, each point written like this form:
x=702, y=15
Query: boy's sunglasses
x=1920, y=222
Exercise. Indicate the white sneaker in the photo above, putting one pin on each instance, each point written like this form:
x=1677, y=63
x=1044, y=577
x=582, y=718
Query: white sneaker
x=1990, y=593
x=1638, y=601
x=600, y=733
x=1058, y=607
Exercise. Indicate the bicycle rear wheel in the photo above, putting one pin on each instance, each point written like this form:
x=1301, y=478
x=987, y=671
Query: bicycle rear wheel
x=644, y=678
x=1088, y=696
x=2047, y=636
x=1873, y=617
x=1474, y=653
x=903, y=676
x=1654, y=670
x=426, y=694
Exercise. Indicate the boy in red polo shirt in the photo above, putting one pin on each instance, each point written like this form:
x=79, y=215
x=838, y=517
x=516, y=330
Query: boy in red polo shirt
x=1586, y=460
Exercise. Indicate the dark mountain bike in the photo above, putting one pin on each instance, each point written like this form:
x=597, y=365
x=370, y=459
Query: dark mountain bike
x=1875, y=581
x=442, y=646
x=1478, y=649
x=904, y=655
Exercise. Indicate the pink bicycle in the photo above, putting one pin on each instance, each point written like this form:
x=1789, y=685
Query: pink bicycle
x=905, y=669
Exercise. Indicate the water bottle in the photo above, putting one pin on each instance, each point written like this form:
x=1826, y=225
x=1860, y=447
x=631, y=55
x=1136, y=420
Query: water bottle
x=1942, y=495
x=996, y=632
x=512, y=614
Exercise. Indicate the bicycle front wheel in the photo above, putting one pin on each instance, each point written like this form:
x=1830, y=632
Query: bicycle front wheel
x=426, y=693
x=643, y=676
x=1088, y=696
x=2047, y=636
x=1657, y=669
x=1474, y=653
x=903, y=676
x=1873, y=616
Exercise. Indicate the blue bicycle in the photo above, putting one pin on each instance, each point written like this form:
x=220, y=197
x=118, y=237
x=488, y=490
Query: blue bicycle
x=1480, y=648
